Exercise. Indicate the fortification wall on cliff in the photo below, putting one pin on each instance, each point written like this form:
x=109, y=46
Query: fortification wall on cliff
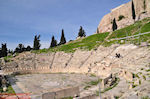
x=125, y=10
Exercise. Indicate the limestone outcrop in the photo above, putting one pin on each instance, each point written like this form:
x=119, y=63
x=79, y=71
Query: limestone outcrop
x=142, y=10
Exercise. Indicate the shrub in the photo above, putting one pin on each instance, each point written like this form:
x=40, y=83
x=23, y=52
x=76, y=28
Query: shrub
x=120, y=17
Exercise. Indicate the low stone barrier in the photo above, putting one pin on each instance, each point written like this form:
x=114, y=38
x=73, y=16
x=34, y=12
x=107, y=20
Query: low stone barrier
x=93, y=96
x=61, y=93
x=26, y=70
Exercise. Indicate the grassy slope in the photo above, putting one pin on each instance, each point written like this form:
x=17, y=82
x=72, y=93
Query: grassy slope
x=87, y=43
x=95, y=40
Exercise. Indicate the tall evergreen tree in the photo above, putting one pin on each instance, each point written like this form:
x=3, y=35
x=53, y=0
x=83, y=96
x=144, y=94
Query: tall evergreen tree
x=133, y=11
x=114, y=25
x=36, y=45
x=81, y=32
x=4, y=50
x=63, y=39
x=53, y=42
x=0, y=53
x=97, y=31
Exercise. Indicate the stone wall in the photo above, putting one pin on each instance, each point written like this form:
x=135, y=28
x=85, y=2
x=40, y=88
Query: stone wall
x=125, y=10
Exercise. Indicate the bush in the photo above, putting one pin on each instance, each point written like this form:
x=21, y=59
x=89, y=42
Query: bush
x=120, y=17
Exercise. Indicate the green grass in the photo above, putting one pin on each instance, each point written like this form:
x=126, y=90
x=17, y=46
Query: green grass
x=87, y=43
x=67, y=98
x=93, y=41
x=7, y=58
x=132, y=29
x=148, y=70
x=94, y=82
x=144, y=77
x=146, y=97
x=92, y=75
x=87, y=87
x=145, y=28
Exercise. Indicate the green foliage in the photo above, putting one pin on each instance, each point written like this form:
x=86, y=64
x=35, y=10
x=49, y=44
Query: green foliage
x=144, y=2
x=133, y=11
x=140, y=82
x=7, y=58
x=116, y=97
x=81, y=32
x=67, y=98
x=93, y=41
x=145, y=28
x=146, y=97
x=53, y=42
x=3, y=51
x=9, y=90
x=133, y=86
x=144, y=77
x=94, y=82
x=93, y=75
x=36, y=45
x=87, y=87
x=148, y=70
x=87, y=43
x=114, y=25
x=120, y=17
x=63, y=39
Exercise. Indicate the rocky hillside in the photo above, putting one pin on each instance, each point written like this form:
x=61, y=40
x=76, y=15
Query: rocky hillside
x=123, y=15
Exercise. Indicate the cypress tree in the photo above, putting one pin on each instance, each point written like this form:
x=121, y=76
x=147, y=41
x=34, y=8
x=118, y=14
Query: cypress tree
x=0, y=53
x=81, y=32
x=114, y=25
x=53, y=42
x=97, y=30
x=133, y=11
x=4, y=50
x=36, y=45
x=63, y=39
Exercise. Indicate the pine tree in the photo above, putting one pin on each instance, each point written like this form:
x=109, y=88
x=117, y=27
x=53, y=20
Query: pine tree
x=133, y=11
x=53, y=42
x=36, y=45
x=81, y=32
x=114, y=25
x=4, y=50
x=63, y=39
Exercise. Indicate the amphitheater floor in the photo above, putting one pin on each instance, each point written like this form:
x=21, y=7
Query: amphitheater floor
x=36, y=84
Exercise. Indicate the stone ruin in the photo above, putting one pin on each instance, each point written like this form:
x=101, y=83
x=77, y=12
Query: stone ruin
x=108, y=81
x=67, y=92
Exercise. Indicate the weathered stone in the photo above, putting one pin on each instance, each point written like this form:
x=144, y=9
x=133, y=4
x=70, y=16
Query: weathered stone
x=93, y=96
x=49, y=95
x=125, y=10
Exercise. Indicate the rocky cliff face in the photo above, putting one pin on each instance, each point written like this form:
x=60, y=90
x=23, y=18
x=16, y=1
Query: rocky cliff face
x=142, y=9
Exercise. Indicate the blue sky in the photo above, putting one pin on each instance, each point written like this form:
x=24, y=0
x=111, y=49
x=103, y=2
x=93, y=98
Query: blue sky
x=21, y=20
